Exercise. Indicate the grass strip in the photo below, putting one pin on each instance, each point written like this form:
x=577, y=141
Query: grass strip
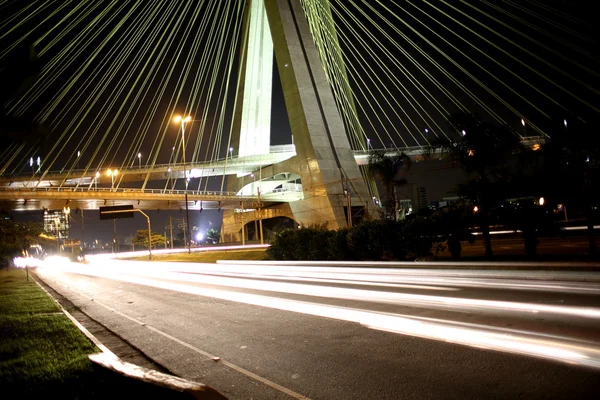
x=43, y=355
x=209, y=256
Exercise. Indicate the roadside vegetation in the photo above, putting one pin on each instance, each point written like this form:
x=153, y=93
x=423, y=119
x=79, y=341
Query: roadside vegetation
x=43, y=355
x=209, y=256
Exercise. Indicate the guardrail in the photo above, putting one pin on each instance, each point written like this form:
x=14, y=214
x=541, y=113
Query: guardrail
x=121, y=190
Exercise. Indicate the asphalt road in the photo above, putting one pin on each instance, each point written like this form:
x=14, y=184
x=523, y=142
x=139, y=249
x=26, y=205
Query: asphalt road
x=268, y=332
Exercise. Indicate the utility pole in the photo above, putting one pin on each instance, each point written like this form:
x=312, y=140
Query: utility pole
x=82, y=232
x=115, y=241
x=243, y=226
x=171, y=229
x=149, y=228
x=262, y=239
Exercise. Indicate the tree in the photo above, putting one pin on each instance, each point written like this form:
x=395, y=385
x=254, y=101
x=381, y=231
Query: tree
x=453, y=223
x=570, y=170
x=213, y=236
x=482, y=150
x=16, y=237
x=390, y=170
x=141, y=239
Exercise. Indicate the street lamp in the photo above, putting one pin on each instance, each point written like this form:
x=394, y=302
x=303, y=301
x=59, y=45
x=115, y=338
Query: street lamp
x=96, y=180
x=183, y=120
x=140, y=160
x=112, y=173
x=31, y=165
x=524, y=127
x=369, y=144
x=78, y=158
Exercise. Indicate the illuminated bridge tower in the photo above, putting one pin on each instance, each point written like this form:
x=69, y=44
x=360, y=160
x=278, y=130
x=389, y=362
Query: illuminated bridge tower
x=323, y=173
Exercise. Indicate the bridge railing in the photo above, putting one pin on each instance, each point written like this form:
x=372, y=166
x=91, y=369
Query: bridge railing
x=122, y=190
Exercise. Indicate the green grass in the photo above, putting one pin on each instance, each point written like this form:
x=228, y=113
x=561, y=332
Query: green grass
x=43, y=355
x=210, y=256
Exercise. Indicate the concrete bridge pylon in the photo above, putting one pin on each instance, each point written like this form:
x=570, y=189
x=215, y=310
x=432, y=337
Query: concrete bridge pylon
x=329, y=176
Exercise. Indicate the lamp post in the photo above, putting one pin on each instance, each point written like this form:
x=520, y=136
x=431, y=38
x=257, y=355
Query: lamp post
x=524, y=127
x=57, y=222
x=369, y=144
x=31, y=165
x=78, y=158
x=112, y=173
x=67, y=211
x=140, y=160
x=96, y=180
x=183, y=120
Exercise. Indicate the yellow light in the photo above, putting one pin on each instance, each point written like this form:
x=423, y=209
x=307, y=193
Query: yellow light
x=471, y=153
x=115, y=172
x=97, y=174
x=109, y=172
x=541, y=201
x=188, y=118
x=475, y=209
x=177, y=118
x=536, y=147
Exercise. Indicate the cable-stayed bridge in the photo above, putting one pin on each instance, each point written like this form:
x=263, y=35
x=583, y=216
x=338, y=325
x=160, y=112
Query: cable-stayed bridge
x=338, y=78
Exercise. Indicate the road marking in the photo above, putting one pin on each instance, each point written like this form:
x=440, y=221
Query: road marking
x=237, y=368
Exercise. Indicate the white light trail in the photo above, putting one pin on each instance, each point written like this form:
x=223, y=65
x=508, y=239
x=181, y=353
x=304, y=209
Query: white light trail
x=500, y=339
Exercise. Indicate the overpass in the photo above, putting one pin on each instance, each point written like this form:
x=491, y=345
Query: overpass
x=86, y=188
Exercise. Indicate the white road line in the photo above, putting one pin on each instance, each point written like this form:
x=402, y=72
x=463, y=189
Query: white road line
x=237, y=368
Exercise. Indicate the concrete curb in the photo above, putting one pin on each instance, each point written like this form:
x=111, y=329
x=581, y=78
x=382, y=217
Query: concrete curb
x=107, y=359
x=192, y=389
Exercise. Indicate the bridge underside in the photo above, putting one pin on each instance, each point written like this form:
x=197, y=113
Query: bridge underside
x=26, y=200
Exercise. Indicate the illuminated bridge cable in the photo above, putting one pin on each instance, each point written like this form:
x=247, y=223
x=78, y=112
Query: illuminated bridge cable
x=516, y=59
x=427, y=118
x=385, y=92
x=53, y=70
x=111, y=71
x=554, y=37
x=54, y=154
x=549, y=64
x=436, y=64
x=20, y=20
x=558, y=14
x=365, y=95
x=549, y=49
x=326, y=37
x=479, y=82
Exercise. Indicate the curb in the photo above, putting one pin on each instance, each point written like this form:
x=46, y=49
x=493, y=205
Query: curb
x=110, y=361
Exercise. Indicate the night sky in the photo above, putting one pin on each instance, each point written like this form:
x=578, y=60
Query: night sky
x=105, y=91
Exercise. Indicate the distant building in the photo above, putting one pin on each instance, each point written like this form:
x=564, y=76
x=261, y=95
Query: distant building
x=56, y=223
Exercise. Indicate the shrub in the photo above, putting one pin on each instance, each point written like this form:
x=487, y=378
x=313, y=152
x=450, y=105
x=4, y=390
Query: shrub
x=380, y=240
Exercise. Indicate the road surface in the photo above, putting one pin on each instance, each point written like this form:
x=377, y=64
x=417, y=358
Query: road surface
x=280, y=332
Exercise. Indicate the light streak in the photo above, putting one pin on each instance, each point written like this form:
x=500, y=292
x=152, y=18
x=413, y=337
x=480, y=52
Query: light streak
x=499, y=339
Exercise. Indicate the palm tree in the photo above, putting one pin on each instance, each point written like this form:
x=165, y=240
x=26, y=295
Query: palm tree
x=389, y=169
x=482, y=150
